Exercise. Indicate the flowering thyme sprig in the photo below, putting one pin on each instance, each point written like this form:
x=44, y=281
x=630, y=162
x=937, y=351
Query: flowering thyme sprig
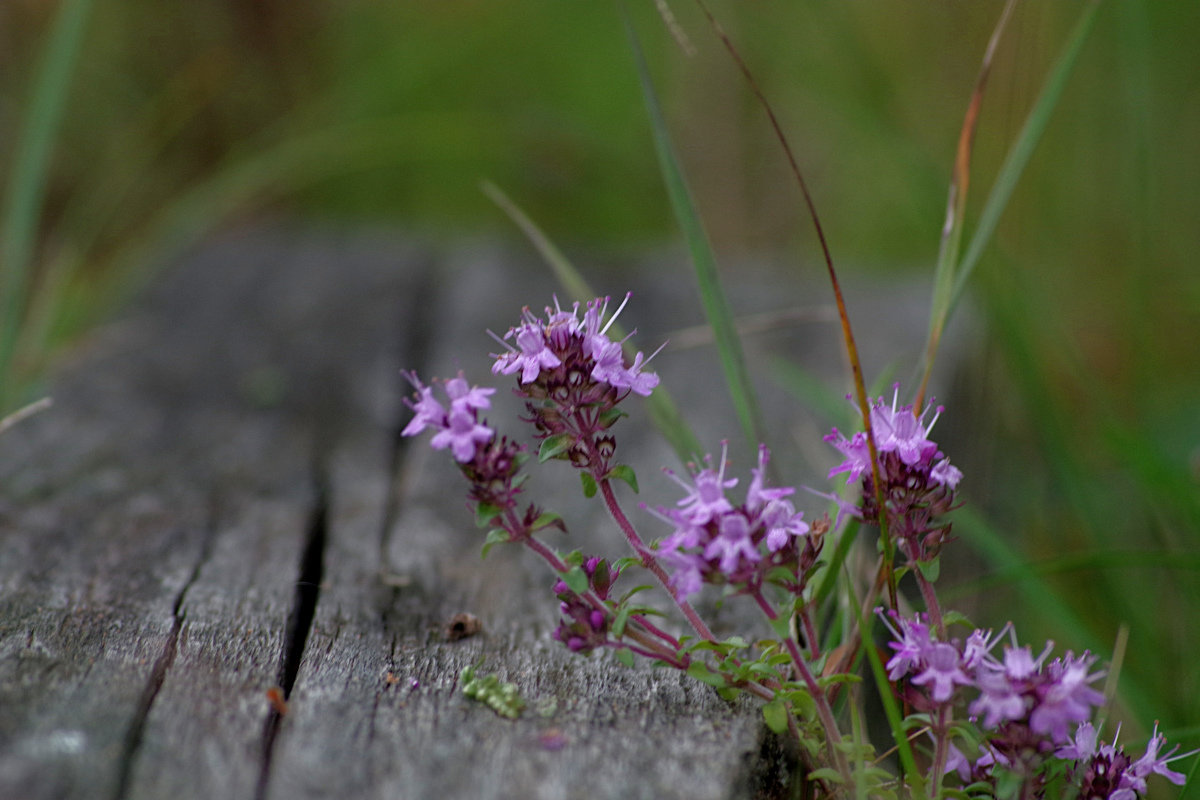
x=918, y=485
x=1026, y=707
x=764, y=540
x=572, y=377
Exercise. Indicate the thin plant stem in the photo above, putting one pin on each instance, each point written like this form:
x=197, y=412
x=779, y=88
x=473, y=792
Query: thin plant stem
x=860, y=388
x=648, y=560
x=941, y=737
x=932, y=606
x=824, y=711
x=654, y=650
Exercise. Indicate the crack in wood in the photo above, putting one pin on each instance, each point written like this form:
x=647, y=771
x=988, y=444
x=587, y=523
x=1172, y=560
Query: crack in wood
x=417, y=332
x=300, y=617
x=158, y=675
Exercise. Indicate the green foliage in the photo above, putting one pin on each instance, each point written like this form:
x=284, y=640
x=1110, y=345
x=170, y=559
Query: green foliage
x=503, y=698
x=625, y=473
x=495, y=536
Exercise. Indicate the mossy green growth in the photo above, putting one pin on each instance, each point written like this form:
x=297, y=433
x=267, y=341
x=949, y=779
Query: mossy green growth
x=501, y=697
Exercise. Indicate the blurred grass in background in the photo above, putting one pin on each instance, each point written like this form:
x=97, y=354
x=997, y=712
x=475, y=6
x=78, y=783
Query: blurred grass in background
x=1080, y=414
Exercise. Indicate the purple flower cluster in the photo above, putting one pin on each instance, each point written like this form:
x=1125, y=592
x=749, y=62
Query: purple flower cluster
x=1105, y=771
x=582, y=626
x=919, y=482
x=1019, y=689
x=901, y=432
x=564, y=342
x=458, y=427
x=1026, y=706
x=572, y=377
x=491, y=465
x=717, y=542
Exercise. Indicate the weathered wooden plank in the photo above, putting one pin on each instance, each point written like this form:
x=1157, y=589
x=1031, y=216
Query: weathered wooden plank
x=218, y=504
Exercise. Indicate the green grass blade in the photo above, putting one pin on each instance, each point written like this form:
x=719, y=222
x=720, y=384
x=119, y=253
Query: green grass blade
x=956, y=206
x=716, y=306
x=27, y=181
x=664, y=412
x=1020, y=152
x=891, y=709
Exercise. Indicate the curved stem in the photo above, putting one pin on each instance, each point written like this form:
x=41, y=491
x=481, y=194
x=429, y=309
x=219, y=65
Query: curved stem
x=648, y=560
x=932, y=607
x=824, y=711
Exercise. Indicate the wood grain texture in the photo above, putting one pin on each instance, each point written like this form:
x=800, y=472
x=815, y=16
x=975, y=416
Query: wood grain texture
x=219, y=503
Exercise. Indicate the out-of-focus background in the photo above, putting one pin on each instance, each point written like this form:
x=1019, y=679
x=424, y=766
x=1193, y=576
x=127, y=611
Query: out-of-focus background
x=1079, y=407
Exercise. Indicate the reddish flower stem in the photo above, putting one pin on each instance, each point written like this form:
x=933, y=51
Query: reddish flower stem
x=648, y=560
x=824, y=711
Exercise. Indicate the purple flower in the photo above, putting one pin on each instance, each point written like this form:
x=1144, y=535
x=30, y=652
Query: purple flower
x=464, y=396
x=564, y=341
x=716, y=541
x=458, y=428
x=901, y=431
x=534, y=354
x=1151, y=762
x=998, y=701
x=912, y=642
x=898, y=430
x=1104, y=770
x=705, y=497
x=858, y=455
x=942, y=669
x=732, y=544
x=429, y=412
x=461, y=435
x=1066, y=698
x=945, y=474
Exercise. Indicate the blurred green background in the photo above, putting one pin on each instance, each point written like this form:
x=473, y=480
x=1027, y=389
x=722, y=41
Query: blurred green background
x=181, y=118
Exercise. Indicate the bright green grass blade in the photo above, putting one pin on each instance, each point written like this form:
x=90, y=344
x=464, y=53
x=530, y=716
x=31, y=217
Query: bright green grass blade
x=663, y=410
x=716, y=306
x=27, y=181
x=1019, y=154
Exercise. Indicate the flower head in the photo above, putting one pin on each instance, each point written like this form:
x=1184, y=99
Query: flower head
x=458, y=427
x=716, y=541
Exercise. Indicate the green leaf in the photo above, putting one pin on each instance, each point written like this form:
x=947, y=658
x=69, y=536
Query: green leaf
x=546, y=519
x=625, y=656
x=555, y=446
x=775, y=714
x=1019, y=155
x=930, y=569
x=28, y=176
x=589, y=484
x=576, y=579
x=618, y=626
x=495, y=536
x=826, y=774
x=623, y=472
x=951, y=617
x=609, y=417
x=782, y=625
x=485, y=513
x=700, y=671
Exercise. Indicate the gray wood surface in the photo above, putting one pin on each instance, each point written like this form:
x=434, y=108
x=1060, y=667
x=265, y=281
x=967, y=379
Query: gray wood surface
x=218, y=503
